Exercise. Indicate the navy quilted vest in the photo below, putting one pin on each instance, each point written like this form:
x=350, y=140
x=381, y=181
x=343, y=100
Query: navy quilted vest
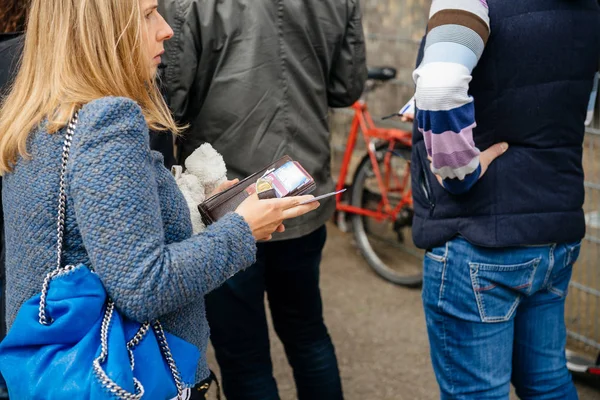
x=531, y=89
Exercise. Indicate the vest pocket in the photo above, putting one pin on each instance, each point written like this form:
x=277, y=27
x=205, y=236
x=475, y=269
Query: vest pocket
x=423, y=179
x=499, y=288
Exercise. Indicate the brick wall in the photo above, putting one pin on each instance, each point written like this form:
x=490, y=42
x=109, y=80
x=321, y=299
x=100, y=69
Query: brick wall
x=393, y=30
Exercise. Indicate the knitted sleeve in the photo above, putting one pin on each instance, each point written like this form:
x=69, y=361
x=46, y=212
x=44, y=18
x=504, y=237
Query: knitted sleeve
x=113, y=187
x=457, y=33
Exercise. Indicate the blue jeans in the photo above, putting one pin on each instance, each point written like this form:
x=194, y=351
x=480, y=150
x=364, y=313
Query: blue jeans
x=496, y=316
x=288, y=271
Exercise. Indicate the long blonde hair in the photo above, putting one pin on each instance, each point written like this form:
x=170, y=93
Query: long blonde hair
x=76, y=52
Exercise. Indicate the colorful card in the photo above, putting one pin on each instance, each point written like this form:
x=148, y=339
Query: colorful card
x=282, y=181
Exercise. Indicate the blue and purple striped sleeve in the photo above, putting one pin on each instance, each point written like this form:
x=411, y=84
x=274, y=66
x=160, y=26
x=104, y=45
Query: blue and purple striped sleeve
x=457, y=33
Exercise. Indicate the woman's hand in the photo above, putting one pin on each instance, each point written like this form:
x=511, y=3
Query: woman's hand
x=266, y=216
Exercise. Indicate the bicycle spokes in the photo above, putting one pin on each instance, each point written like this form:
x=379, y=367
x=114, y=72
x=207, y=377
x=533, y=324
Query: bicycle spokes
x=383, y=232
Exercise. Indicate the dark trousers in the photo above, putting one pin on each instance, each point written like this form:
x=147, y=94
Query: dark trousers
x=288, y=271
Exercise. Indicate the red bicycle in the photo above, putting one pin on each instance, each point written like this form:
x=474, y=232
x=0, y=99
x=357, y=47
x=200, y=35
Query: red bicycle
x=379, y=203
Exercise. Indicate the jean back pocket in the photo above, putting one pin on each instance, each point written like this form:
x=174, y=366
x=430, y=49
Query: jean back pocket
x=499, y=288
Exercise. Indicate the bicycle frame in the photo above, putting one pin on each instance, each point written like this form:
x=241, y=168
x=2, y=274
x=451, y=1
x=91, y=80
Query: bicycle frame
x=364, y=122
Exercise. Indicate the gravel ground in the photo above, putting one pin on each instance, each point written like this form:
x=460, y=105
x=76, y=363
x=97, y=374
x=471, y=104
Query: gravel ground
x=378, y=330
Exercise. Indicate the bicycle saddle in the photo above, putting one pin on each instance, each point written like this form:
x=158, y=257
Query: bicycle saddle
x=381, y=73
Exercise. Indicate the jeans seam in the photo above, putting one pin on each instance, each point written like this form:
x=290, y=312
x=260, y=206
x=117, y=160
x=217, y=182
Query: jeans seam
x=435, y=257
x=508, y=315
x=447, y=365
x=550, y=266
x=556, y=291
x=480, y=306
x=443, y=277
x=570, y=251
x=568, y=263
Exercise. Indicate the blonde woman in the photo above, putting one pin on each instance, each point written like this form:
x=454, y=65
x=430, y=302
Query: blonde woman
x=125, y=216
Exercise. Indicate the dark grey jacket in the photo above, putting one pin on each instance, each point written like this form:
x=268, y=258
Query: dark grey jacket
x=255, y=78
x=11, y=46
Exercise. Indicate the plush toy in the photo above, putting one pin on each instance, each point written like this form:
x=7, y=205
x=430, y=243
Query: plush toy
x=205, y=171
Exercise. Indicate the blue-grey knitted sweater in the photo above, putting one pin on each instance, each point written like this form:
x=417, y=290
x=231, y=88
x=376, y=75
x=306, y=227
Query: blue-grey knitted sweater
x=126, y=218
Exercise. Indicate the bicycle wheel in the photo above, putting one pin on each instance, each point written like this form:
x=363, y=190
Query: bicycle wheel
x=387, y=244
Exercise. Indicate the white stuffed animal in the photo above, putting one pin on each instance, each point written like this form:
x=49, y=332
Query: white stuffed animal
x=205, y=171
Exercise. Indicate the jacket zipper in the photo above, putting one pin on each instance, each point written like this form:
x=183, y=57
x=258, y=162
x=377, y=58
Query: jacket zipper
x=426, y=186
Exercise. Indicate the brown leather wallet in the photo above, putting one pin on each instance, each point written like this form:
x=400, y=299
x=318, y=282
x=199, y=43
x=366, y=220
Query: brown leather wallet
x=215, y=207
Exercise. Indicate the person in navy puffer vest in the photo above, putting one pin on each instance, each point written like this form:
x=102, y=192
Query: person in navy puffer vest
x=498, y=188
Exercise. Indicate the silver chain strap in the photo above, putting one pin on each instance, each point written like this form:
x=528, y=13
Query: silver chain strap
x=132, y=344
x=62, y=200
x=99, y=371
x=46, y=319
x=166, y=351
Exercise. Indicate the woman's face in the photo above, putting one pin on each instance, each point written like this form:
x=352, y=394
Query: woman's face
x=156, y=32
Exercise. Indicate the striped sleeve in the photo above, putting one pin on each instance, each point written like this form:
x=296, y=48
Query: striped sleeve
x=458, y=31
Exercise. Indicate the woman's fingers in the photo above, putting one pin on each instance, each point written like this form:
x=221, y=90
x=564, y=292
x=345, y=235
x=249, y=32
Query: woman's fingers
x=288, y=202
x=299, y=210
x=266, y=216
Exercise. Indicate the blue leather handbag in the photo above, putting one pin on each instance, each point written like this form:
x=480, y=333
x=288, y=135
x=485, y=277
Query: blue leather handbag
x=70, y=342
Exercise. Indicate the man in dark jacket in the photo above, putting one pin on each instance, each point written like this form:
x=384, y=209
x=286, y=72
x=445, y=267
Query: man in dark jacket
x=255, y=79
x=11, y=44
